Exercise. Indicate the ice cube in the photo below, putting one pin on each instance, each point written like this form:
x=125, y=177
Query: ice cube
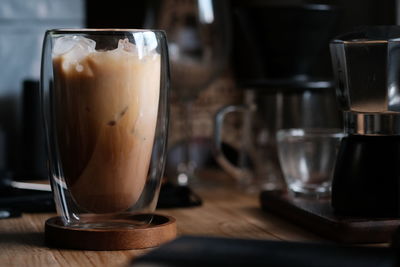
x=72, y=49
x=81, y=49
x=65, y=44
x=145, y=45
x=126, y=45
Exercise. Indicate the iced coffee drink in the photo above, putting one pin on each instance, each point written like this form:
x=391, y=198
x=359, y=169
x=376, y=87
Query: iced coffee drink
x=106, y=105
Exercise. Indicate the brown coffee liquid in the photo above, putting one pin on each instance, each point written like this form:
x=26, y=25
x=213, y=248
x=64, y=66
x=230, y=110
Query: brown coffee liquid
x=106, y=114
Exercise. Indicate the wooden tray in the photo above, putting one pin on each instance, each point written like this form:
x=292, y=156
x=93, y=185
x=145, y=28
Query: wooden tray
x=318, y=217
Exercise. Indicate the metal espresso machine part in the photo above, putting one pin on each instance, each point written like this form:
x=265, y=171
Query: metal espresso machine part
x=366, y=65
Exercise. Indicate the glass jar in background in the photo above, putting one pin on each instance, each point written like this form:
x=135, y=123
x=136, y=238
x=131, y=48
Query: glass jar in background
x=264, y=112
x=199, y=46
x=308, y=158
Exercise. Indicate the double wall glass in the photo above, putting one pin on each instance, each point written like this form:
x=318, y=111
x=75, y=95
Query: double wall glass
x=105, y=106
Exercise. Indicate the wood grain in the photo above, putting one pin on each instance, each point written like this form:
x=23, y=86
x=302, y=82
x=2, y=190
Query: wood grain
x=227, y=212
x=319, y=217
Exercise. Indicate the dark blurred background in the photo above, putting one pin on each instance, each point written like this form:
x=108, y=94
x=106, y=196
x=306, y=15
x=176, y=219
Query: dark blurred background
x=131, y=14
x=22, y=154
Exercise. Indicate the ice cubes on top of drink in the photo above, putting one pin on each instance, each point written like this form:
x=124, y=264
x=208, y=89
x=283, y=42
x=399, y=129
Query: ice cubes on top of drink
x=73, y=49
x=126, y=45
x=66, y=44
x=142, y=50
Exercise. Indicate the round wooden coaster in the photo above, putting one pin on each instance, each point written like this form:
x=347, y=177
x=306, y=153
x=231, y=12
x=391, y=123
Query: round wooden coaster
x=160, y=230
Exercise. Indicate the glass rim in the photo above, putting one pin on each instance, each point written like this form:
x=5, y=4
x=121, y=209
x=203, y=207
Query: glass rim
x=376, y=34
x=307, y=7
x=364, y=41
x=100, y=30
x=310, y=132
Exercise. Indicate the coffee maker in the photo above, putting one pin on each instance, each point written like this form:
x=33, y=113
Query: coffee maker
x=366, y=65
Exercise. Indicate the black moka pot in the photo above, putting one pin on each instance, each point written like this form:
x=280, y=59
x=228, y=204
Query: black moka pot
x=366, y=65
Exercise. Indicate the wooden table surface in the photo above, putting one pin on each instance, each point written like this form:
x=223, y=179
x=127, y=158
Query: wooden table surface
x=226, y=212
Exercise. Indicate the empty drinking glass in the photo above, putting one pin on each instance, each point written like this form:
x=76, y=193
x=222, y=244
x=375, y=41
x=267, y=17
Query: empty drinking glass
x=307, y=158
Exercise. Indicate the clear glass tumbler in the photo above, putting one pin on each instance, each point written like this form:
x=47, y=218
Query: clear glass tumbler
x=307, y=158
x=105, y=105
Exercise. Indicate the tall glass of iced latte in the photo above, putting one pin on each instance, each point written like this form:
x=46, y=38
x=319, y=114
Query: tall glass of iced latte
x=104, y=95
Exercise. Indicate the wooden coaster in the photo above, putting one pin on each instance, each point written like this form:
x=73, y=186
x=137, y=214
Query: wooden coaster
x=317, y=216
x=162, y=229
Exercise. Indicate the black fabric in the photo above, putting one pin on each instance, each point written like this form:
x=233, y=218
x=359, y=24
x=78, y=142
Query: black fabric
x=207, y=251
